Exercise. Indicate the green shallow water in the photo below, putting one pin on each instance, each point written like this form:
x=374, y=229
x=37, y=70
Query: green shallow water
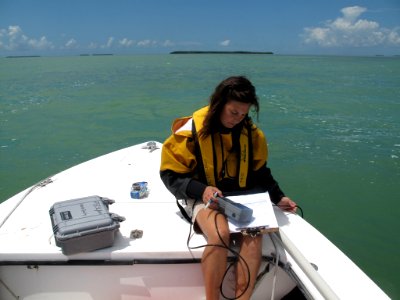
x=332, y=124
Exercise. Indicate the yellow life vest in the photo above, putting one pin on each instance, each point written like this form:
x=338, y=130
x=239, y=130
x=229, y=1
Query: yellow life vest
x=181, y=155
x=207, y=154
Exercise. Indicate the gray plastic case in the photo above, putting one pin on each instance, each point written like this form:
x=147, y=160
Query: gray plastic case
x=84, y=224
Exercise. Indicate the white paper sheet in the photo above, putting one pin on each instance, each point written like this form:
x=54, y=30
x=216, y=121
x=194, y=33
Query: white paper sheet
x=263, y=214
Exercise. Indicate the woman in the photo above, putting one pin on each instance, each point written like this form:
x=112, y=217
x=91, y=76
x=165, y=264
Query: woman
x=220, y=152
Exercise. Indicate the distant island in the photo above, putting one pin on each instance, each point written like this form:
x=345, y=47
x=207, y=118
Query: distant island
x=219, y=52
x=22, y=56
x=102, y=54
x=96, y=54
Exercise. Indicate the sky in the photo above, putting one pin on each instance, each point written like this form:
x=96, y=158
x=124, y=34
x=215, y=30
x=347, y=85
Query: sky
x=308, y=27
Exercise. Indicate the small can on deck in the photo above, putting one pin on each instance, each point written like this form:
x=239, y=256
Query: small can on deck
x=139, y=190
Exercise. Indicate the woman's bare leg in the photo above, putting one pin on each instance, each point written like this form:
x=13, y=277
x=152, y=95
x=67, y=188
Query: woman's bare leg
x=214, y=258
x=250, y=251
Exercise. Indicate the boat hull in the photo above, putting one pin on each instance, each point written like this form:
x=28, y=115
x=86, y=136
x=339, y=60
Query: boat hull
x=158, y=264
x=136, y=281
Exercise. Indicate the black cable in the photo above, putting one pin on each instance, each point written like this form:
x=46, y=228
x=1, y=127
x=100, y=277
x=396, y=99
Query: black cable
x=235, y=253
x=301, y=210
x=238, y=256
x=287, y=206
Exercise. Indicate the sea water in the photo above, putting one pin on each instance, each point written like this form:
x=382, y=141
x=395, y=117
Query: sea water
x=332, y=124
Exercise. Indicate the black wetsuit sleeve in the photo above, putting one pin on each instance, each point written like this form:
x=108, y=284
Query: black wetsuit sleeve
x=182, y=186
x=264, y=178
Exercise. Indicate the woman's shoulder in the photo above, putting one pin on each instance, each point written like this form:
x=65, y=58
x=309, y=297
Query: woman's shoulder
x=257, y=135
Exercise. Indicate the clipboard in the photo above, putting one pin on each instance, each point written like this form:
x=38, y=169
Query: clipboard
x=263, y=220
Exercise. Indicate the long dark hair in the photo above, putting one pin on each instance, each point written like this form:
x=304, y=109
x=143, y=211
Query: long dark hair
x=237, y=88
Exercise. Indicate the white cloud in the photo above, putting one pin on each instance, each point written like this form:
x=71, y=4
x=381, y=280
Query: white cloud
x=71, y=44
x=14, y=31
x=41, y=44
x=93, y=45
x=353, y=12
x=146, y=43
x=126, y=43
x=168, y=43
x=13, y=38
x=2, y=45
x=351, y=30
x=394, y=38
x=109, y=43
x=225, y=43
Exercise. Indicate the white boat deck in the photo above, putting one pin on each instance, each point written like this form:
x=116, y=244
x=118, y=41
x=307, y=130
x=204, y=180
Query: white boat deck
x=26, y=235
x=28, y=230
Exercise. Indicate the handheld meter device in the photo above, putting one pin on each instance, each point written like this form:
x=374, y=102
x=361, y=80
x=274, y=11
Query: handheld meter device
x=236, y=211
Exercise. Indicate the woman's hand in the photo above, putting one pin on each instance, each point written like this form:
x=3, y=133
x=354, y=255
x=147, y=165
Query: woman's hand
x=287, y=204
x=210, y=193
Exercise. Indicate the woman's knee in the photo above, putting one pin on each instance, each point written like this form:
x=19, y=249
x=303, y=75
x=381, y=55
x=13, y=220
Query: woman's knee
x=215, y=227
x=252, y=246
x=221, y=235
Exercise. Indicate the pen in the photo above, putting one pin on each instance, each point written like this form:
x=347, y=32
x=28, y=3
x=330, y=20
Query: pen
x=215, y=195
x=208, y=204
